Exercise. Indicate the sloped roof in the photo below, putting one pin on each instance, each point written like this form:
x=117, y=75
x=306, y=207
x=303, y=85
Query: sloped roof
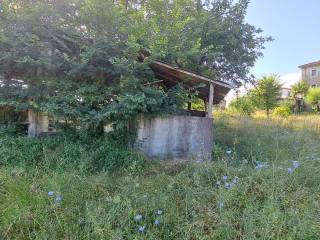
x=312, y=64
x=172, y=76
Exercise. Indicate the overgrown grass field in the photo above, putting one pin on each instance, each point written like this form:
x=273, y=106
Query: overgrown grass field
x=264, y=183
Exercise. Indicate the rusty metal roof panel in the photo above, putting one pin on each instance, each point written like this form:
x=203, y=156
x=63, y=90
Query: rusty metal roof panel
x=173, y=75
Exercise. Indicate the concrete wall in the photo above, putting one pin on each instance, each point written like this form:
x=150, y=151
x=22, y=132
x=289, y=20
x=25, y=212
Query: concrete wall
x=182, y=137
x=38, y=123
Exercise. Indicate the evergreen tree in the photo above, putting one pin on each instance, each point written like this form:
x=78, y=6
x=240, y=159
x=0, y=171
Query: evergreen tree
x=266, y=93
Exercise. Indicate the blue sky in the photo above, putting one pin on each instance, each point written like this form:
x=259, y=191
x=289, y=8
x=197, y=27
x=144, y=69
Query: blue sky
x=294, y=24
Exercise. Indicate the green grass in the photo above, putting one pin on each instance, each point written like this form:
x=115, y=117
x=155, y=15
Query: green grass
x=104, y=187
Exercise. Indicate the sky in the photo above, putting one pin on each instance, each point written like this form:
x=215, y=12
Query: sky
x=294, y=25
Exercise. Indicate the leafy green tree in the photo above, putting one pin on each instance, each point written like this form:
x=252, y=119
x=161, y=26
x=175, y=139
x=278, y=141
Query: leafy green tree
x=243, y=105
x=208, y=37
x=313, y=98
x=266, y=93
x=300, y=87
x=78, y=58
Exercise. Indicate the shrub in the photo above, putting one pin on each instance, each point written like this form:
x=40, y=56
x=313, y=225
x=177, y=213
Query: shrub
x=282, y=111
x=313, y=98
x=65, y=154
x=242, y=105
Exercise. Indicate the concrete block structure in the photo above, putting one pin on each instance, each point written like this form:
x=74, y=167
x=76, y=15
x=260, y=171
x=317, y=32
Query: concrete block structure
x=38, y=123
x=188, y=136
x=185, y=137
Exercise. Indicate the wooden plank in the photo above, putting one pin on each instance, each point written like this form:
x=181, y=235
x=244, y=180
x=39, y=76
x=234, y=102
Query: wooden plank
x=210, y=104
x=186, y=74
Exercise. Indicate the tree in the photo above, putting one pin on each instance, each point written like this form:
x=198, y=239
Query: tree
x=313, y=98
x=300, y=87
x=266, y=93
x=78, y=58
x=299, y=92
x=243, y=105
x=212, y=39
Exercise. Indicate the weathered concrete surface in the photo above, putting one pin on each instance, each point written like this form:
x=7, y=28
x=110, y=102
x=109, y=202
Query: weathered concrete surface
x=38, y=123
x=176, y=137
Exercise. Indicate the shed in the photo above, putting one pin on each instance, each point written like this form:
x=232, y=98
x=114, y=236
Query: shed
x=188, y=136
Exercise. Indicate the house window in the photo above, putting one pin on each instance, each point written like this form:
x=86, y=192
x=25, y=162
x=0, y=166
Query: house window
x=313, y=72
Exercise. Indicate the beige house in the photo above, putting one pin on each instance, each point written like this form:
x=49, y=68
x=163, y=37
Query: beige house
x=310, y=72
x=285, y=93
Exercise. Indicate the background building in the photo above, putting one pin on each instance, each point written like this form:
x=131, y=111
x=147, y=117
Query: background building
x=310, y=72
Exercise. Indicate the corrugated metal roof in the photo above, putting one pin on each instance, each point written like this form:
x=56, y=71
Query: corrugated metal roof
x=173, y=75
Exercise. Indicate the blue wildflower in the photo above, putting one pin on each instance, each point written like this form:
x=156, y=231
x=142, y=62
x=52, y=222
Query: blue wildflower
x=225, y=177
x=159, y=212
x=157, y=222
x=50, y=193
x=145, y=195
x=228, y=185
x=261, y=166
x=58, y=199
x=290, y=170
x=221, y=205
x=138, y=217
x=228, y=152
x=218, y=183
x=142, y=228
x=295, y=164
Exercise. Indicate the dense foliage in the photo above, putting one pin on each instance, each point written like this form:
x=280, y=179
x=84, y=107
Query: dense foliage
x=301, y=88
x=313, y=98
x=281, y=111
x=265, y=95
x=79, y=59
x=243, y=105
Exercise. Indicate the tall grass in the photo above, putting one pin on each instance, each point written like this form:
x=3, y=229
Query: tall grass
x=102, y=202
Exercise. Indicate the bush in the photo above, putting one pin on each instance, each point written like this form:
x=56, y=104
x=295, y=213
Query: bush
x=282, y=111
x=242, y=105
x=65, y=154
x=313, y=98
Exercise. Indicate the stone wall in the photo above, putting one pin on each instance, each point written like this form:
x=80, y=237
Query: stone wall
x=176, y=137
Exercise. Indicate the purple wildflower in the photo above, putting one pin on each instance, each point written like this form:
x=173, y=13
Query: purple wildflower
x=142, y=229
x=50, y=193
x=58, y=199
x=138, y=217
x=295, y=164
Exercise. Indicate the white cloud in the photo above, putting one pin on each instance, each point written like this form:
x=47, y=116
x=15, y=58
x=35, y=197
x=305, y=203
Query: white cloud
x=289, y=79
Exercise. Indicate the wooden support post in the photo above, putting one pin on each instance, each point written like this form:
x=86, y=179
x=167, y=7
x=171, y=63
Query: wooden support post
x=205, y=105
x=189, y=106
x=210, y=104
